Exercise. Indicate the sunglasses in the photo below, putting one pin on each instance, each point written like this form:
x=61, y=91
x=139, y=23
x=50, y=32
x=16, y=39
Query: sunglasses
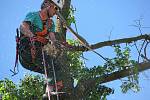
x=56, y=8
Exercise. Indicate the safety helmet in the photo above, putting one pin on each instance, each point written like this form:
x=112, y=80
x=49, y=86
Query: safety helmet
x=46, y=3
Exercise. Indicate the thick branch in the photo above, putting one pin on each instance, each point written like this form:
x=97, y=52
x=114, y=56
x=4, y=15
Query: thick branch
x=124, y=73
x=86, y=85
x=113, y=42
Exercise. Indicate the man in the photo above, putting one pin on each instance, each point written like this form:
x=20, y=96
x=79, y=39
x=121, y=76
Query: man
x=38, y=36
x=37, y=30
x=40, y=23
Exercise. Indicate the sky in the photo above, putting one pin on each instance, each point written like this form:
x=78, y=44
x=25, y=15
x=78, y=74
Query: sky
x=97, y=20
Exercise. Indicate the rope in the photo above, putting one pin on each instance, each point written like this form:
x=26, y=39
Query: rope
x=46, y=75
x=55, y=80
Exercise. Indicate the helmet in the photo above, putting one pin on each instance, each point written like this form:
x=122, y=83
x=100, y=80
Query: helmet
x=46, y=3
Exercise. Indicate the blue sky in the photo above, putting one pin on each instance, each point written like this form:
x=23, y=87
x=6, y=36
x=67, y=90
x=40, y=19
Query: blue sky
x=95, y=20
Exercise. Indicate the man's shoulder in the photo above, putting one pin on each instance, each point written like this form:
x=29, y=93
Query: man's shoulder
x=32, y=13
x=31, y=16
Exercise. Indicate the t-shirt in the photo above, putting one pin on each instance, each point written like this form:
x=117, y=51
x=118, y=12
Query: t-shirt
x=36, y=22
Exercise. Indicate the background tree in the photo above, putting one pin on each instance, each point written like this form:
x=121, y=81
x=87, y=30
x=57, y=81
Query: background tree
x=29, y=88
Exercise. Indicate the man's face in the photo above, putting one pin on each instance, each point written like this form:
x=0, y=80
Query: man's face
x=52, y=10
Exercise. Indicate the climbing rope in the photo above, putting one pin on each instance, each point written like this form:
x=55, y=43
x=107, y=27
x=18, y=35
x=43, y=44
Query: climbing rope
x=50, y=92
x=46, y=75
x=55, y=80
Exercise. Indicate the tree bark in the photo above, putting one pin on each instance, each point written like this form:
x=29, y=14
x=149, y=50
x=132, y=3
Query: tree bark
x=65, y=73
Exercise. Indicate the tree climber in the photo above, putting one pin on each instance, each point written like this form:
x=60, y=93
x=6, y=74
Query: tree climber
x=37, y=34
x=38, y=28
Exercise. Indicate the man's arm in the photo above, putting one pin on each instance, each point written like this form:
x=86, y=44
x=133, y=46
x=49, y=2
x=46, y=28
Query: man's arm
x=25, y=29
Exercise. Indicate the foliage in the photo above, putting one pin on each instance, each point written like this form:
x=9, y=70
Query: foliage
x=75, y=62
x=79, y=72
x=8, y=90
x=31, y=87
x=100, y=93
x=123, y=61
x=71, y=17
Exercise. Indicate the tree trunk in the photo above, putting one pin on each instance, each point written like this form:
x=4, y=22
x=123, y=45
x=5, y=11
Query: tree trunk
x=85, y=85
x=68, y=82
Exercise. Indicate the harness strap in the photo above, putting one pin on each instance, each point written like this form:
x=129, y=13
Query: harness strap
x=39, y=39
x=42, y=33
x=17, y=54
x=40, y=36
x=17, y=51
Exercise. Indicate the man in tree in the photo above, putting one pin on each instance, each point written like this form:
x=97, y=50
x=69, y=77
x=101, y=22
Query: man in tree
x=41, y=22
x=39, y=26
x=37, y=48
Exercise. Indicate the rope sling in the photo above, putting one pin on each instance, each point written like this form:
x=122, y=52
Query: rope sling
x=50, y=92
